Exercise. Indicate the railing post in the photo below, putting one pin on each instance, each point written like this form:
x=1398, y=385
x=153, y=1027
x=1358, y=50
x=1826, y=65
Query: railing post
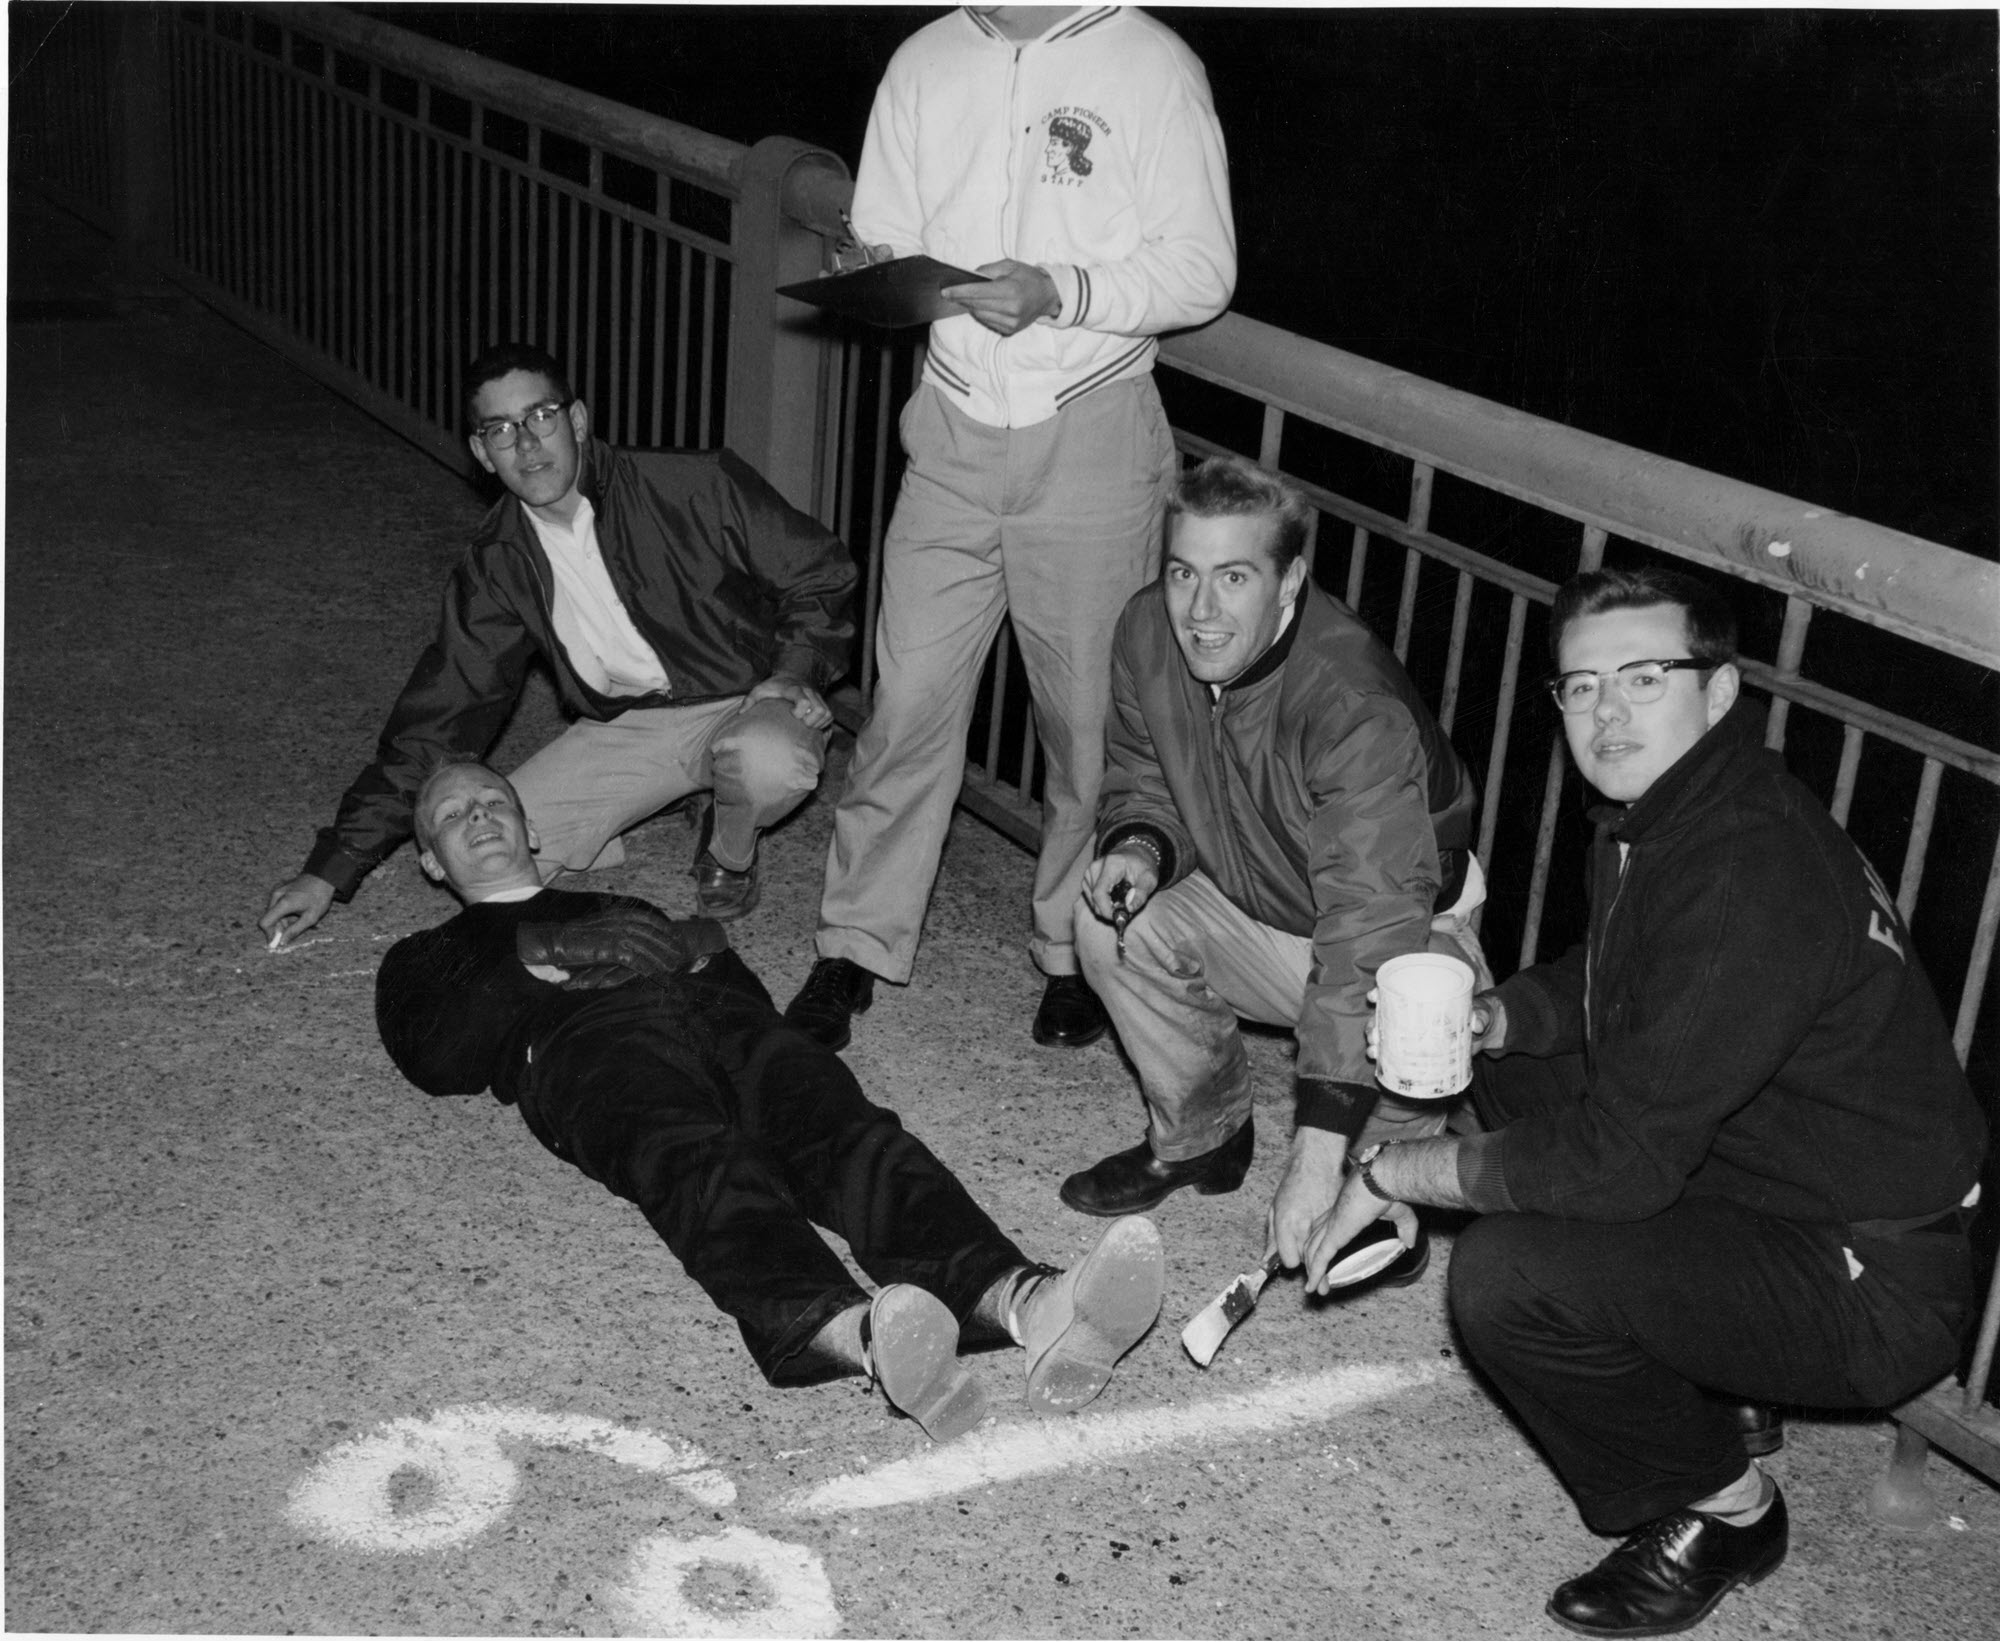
x=776, y=389
x=139, y=137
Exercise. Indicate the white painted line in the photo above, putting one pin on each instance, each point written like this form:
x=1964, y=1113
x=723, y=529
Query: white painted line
x=346, y=1496
x=1015, y=1451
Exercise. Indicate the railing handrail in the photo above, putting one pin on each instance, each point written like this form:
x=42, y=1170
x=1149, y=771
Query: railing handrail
x=1948, y=599
x=646, y=139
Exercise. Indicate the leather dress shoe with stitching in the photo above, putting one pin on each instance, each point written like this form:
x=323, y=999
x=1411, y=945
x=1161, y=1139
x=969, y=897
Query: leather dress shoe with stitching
x=1134, y=1180
x=1070, y=1015
x=720, y=892
x=1672, y=1573
x=835, y=992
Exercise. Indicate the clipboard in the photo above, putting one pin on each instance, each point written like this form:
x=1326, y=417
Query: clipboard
x=904, y=291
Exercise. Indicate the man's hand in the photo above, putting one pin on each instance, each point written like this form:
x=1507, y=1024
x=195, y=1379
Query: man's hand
x=1010, y=297
x=1489, y=1024
x=1356, y=1209
x=631, y=940
x=294, y=908
x=1133, y=868
x=808, y=705
x=1307, y=1190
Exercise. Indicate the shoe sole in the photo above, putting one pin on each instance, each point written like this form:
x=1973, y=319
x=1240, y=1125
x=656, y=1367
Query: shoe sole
x=1115, y=1300
x=915, y=1349
x=1742, y=1581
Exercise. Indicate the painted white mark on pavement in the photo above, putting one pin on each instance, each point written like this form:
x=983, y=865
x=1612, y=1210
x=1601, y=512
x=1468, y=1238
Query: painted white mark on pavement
x=1016, y=1451
x=789, y=1592
x=468, y=1480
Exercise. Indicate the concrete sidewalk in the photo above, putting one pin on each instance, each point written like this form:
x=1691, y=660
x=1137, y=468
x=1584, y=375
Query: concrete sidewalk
x=291, y=1347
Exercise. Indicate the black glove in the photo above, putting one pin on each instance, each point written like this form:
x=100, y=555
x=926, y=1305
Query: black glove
x=623, y=941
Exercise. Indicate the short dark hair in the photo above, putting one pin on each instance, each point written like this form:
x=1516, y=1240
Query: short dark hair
x=1230, y=487
x=1711, y=623
x=504, y=358
x=420, y=812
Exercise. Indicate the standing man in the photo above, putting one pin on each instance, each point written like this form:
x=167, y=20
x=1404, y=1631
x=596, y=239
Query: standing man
x=1072, y=158
x=1281, y=817
x=640, y=1049
x=690, y=617
x=1728, y=1140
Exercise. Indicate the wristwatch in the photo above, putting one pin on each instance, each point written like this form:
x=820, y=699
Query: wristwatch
x=1361, y=1162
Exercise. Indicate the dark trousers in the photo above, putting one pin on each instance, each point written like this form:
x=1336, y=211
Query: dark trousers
x=1603, y=1336
x=734, y=1133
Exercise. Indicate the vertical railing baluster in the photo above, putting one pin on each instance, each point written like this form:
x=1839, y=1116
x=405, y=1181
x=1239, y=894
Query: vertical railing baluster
x=1271, y=440
x=1843, y=782
x=662, y=273
x=1422, y=478
x=685, y=258
x=1917, y=850
x=1503, y=727
x=1980, y=962
x=710, y=351
x=1791, y=656
x=1357, y=567
x=1454, y=661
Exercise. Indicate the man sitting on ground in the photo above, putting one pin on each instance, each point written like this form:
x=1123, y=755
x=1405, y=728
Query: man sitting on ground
x=688, y=615
x=1728, y=1137
x=643, y=1051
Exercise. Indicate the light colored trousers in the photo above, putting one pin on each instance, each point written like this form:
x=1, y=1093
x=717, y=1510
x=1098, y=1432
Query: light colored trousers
x=594, y=780
x=1195, y=963
x=1056, y=525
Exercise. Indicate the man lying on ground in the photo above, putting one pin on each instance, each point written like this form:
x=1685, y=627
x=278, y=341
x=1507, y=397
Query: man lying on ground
x=642, y=1050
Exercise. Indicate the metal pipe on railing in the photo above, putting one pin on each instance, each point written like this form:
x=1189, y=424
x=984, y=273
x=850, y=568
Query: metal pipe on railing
x=1901, y=583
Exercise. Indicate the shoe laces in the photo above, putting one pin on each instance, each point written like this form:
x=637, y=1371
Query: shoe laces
x=1664, y=1538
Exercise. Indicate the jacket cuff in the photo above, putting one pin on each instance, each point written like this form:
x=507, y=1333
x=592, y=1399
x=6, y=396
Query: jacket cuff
x=1328, y=1103
x=1073, y=288
x=1482, y=1173
x=1532, y=1025
x=1144, y=832
x=802, y=662
x=338, y=866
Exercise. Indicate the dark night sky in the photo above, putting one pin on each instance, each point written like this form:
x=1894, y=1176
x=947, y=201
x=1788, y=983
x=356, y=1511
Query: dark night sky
x=1763, y=242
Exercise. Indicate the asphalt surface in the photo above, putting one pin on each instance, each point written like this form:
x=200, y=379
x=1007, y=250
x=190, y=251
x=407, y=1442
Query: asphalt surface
x=292, y=1347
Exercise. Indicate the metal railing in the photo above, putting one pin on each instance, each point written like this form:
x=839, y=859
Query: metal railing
x=378, y=206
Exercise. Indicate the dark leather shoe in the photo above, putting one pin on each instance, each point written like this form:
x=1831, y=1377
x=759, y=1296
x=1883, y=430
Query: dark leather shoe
x=721, y=893
x=1671, y=1573
x=835, y=992
x=1763, y=1427
x=1133, y=1181
x=1070, y=1015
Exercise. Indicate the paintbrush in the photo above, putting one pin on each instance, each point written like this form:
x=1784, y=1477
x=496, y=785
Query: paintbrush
x=1203, y=1337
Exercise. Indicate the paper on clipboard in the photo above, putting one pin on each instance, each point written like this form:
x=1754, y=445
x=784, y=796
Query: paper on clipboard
x=905, y=291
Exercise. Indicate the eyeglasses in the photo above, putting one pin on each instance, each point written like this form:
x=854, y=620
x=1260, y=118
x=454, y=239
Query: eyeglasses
x=500, y=432
x=1638, y=682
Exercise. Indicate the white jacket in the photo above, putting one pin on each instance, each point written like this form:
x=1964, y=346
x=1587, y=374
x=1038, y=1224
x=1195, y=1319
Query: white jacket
x=1092, y=151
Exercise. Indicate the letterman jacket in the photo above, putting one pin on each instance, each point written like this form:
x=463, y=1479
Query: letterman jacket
x=1093, y=152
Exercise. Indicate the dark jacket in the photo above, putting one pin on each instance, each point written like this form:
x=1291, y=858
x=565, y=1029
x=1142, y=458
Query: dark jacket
x=1318, y=794
x=725, y=579
x=1752, y=1021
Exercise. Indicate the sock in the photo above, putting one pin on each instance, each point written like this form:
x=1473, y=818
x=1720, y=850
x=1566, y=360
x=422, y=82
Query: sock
x=840, y=1339
x=1743, y=1502
x=1001, y=1305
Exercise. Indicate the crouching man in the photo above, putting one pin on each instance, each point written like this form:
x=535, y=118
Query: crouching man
x=642, y=1050
x=1281, y=816
x=1727, y=1138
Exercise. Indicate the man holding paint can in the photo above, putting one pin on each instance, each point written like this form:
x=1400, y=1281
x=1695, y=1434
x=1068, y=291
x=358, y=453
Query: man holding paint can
x=1728, y=1148
x=1281, y=816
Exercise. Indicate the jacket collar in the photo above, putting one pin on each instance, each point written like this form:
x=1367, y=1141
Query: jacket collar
x=508, y=520
x=1273, y=660
x=1701, y=774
